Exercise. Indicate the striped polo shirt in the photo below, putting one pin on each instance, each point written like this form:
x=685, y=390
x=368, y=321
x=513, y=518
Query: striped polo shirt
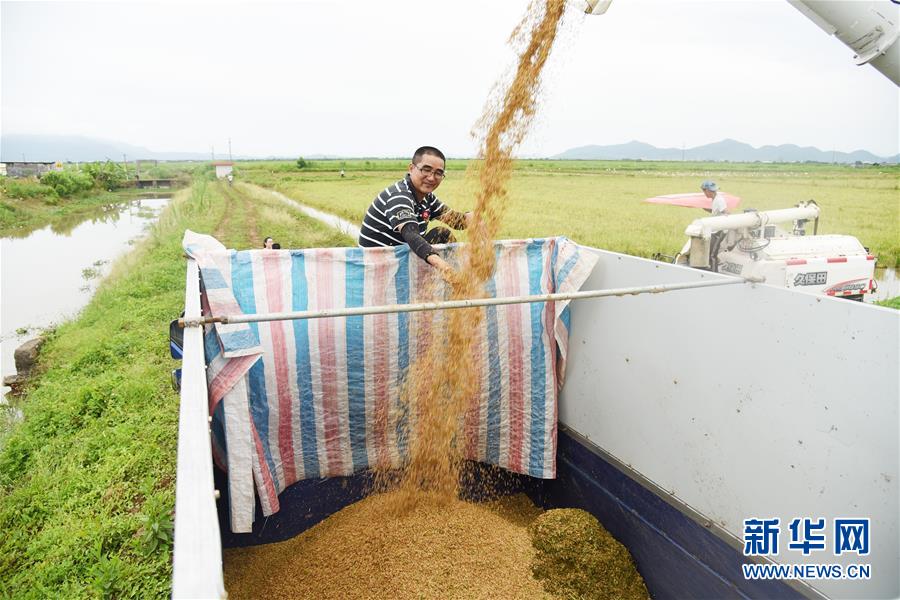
x=392, y=208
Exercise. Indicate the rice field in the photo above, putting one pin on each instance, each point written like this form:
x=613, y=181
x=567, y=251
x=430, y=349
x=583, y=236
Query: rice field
x=599, y=203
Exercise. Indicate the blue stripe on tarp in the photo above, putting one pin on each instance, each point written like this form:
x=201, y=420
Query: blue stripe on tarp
x=213, y=279
x=239, y=340
x=535, y=256
x=242, y=286
x=401, y=289
x=211, y=346
x=354, y=280
x=567, y=268
x=493, y=407
x=242, y=283
x=299, y=301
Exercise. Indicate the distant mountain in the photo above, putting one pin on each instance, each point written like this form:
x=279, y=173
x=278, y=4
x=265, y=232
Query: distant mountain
x=66, y=148
x=726, y=150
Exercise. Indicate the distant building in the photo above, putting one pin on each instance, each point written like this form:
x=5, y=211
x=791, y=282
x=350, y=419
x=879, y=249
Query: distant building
x=28, y=169
x=223, y=169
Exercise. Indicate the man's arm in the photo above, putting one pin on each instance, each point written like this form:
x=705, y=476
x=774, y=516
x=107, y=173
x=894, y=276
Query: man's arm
x=422, y=249
x=410, y=234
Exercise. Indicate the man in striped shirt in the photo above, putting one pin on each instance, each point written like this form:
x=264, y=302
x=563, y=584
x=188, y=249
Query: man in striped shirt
x=400, y=214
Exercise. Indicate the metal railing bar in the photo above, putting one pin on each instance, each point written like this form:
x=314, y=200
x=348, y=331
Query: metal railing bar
x=452, y=304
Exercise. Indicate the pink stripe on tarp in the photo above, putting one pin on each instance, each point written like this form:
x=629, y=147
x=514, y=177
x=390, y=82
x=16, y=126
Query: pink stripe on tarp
x=204, y=308
x=224, y=380
x=549, y=314
x=274, y=298
x=327, y=362
x=380, y=362
x=268, y=495
x=223, y=303
x=552, y=385
x=516, y=357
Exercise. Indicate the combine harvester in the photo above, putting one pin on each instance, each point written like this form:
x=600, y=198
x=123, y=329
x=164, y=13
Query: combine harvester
x=740, y=439
x=754, y=245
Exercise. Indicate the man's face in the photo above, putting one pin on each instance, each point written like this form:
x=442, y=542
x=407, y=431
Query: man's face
x=423, y=174
x=709, y=193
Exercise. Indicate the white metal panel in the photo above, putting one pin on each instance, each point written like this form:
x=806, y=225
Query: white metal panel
x=869, y=27
x=746, y=401
x=197, y=554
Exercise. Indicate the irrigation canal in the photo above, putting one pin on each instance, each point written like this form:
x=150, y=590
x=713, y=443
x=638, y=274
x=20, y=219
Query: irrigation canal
x=52, y=273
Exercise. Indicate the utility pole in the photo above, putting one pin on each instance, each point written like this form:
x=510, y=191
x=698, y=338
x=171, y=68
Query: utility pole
x=682, y=151
x=229, y=149
x=212, y=153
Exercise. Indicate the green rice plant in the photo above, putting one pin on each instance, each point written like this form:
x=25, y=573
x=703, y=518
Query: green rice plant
x=600, y=203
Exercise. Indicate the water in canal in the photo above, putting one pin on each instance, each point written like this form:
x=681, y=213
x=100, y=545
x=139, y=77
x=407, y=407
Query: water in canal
x=51, y=274
x=888, y=284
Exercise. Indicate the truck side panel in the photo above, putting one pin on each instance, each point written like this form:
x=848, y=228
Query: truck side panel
x=745, y=402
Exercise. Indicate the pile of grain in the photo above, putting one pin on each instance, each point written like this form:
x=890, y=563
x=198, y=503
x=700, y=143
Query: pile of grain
x=438, y=549
x=577, y=558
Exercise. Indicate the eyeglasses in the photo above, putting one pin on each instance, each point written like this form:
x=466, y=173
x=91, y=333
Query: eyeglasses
x=428, y=170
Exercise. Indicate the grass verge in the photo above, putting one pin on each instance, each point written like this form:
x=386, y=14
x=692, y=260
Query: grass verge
x=87, y=477
x=890, y=303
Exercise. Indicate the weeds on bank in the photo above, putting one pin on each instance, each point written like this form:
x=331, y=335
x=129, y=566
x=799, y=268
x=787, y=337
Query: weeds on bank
x=87, y=476
x=890, y=303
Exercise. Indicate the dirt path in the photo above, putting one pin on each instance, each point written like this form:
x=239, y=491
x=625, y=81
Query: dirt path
x=225, y=221
x=240, y=206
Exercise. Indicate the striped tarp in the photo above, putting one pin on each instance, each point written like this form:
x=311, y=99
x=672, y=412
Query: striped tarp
x=314, y=398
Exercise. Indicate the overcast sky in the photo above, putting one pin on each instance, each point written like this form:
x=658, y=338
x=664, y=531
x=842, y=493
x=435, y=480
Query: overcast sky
x=380, y=77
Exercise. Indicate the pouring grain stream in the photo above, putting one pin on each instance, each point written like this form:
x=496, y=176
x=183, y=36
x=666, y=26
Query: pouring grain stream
x=417, y=539
x=442, y=385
